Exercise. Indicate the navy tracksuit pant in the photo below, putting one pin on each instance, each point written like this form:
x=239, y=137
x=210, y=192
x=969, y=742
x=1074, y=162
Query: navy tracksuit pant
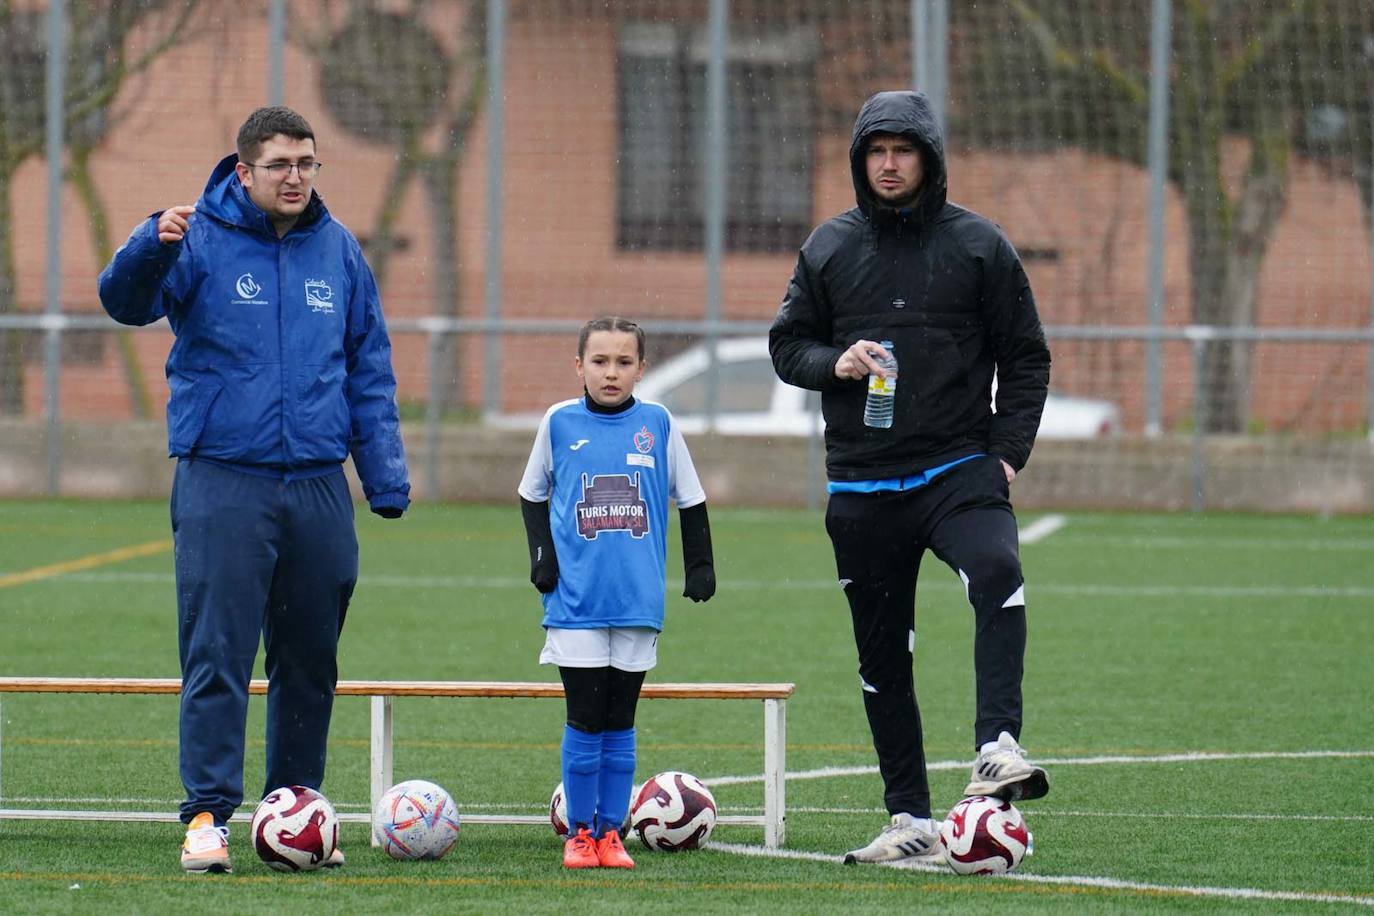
x=258, y=557
x=964, y=517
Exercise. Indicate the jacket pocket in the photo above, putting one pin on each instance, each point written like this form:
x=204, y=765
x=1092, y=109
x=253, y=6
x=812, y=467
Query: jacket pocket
x=187, y=410
x=324, y=420
x=932, y=380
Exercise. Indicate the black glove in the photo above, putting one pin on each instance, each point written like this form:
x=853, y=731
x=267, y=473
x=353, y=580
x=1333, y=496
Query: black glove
x=701, y=583
x=697, y=562
x=544, y=573
x=543, y=558
x=388, y=511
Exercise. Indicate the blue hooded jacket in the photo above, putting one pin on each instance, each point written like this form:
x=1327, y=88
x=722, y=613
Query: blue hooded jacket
x=281, y=362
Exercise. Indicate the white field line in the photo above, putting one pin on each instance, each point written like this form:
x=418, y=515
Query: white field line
x=830, y=772
x=744, y=809
x=1042, y=528
x=1083, y=536
x=1211, y=591
x=1042, y=811
x=827, y=585
x=1190, y=757
x=159, y=802
x=1225, y=893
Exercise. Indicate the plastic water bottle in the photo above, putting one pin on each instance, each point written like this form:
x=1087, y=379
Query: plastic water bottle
x=882, y=392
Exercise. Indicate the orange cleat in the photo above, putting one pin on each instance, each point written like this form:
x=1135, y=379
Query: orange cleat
x=611, y=852
x=206, y=847
x=580, y=851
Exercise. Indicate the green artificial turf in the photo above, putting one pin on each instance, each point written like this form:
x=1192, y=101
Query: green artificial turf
x=1151, y=636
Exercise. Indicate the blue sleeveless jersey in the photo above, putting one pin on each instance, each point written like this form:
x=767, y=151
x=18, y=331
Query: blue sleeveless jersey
x=608, y=479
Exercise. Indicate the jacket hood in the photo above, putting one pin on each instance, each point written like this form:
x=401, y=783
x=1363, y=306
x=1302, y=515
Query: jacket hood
x=904, y=113
x=226, y=199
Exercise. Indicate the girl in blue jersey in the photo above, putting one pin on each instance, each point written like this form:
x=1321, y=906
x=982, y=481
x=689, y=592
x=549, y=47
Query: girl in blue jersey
x=595, y=503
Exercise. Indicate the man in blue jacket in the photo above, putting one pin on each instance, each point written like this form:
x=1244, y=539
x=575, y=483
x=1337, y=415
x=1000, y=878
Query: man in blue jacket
x=280, y=370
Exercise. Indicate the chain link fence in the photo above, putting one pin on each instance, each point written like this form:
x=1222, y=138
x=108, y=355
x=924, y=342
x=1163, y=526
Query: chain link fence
x=1190, y=187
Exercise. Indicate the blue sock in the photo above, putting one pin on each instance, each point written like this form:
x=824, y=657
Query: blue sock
x=617, y=779
x=581, y=765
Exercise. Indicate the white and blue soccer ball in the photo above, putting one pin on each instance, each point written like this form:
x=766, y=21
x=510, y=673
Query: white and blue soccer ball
x=416, y=819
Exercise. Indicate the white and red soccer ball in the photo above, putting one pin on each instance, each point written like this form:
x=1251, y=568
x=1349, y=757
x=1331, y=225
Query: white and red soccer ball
x=295, y=829
x=558, y=812
x=416, y=819
x=984, y=836
x=673, y=811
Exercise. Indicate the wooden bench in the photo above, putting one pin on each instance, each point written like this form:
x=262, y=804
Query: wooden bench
x=773, y=696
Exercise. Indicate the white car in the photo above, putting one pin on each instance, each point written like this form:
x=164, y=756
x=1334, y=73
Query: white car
x=752, y=401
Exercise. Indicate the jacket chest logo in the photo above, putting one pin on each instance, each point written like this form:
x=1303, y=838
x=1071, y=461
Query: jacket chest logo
x=248, y=291
x=319, y=296
x=899, y=303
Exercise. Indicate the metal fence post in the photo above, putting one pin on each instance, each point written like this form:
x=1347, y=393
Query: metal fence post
x=930, y=53
x=496, y=126
x=433, y=419
x=713, y=209
x=1159, y=168
x=276, y=52
x=1369, y=423
x=52, y=369
x=1201, y=341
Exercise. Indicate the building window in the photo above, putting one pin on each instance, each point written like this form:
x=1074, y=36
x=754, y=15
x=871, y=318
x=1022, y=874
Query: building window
x=770, y=128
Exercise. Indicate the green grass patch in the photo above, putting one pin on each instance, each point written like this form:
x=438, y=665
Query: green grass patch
x=1150, y=635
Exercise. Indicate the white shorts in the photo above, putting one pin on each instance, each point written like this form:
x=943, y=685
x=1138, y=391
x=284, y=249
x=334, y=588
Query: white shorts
x=626, y=648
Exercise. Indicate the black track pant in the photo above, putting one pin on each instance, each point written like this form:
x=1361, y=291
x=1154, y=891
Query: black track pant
x=965, y=518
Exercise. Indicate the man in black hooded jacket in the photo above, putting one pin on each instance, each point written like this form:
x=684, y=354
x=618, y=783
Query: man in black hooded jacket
x=945, y=290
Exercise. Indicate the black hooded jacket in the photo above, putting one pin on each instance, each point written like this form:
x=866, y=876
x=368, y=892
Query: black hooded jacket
x=946, y=287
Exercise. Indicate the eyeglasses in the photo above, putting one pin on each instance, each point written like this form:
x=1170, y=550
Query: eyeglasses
x=306, y=169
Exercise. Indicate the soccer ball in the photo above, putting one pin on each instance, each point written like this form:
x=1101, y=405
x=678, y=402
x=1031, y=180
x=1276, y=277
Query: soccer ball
x=984, y=836
x=673, y=811
x=295, y=829
x=415, y=819
x=558, y=812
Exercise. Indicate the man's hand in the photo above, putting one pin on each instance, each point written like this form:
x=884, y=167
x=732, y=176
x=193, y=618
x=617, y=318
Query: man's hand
x=173, y=223
x=1007, y=469
x=857, y=362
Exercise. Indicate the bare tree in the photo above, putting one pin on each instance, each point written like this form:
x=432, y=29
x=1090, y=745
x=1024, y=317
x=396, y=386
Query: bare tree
x=1230, y=84
x=388, y=78
x=101, y=59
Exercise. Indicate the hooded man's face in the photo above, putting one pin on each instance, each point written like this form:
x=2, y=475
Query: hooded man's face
x=893, y=165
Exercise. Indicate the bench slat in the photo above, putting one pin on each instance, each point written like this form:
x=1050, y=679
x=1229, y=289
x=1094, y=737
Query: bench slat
x=512, y=689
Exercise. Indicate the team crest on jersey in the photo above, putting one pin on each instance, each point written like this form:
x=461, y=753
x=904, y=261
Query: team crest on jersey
x=644, y=441
x=611, y=502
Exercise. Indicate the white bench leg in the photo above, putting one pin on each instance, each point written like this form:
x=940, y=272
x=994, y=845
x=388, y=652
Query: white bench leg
x=380, y=768
x=774, y=772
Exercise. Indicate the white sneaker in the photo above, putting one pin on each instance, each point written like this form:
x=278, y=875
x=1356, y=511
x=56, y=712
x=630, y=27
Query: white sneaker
x=905, y=838
x=1002, y=771
x=206, y=847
